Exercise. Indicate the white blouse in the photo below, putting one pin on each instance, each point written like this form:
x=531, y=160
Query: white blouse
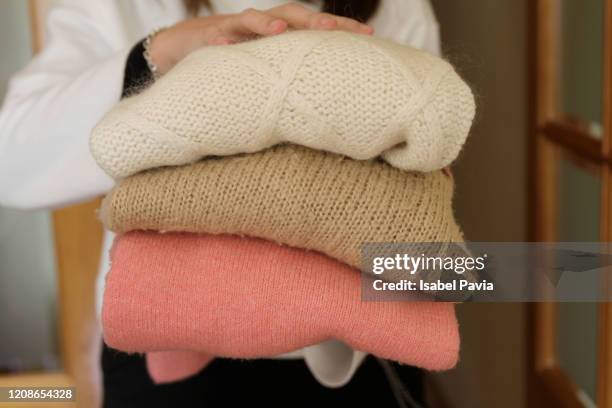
x=54, y=102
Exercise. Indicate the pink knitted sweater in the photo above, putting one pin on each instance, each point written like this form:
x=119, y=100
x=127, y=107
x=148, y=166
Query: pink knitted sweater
x=189, y=297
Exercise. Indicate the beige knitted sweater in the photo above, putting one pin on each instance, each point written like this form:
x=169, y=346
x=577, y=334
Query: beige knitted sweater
x=349, y=94
x=291, y=195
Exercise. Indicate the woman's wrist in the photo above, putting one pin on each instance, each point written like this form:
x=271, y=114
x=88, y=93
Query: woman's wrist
x=159, y=51
x=147, y=55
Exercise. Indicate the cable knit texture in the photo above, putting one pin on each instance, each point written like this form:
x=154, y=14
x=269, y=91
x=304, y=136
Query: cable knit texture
x=290, y=195
x=205, y=295
x=354, y=95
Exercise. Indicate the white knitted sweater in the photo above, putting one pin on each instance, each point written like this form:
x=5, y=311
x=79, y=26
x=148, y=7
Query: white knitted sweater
x=349, y=94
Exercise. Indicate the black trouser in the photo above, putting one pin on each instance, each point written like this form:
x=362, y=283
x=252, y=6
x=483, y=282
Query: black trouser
x=236, y=383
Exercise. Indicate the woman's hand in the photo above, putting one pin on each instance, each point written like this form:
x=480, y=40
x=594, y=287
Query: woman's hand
x=171, y=45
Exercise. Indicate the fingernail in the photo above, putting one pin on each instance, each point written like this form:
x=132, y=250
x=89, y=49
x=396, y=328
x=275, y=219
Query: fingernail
x=327, y=22
x=277, y=26
x=366, y=29
x=220, y=41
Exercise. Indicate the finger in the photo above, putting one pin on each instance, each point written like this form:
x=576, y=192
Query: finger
x=349, y=24
x=295, y=15
x=322, y=21
x=326, y=21
x=254, y=22
x=212, y=35
x=302, y=18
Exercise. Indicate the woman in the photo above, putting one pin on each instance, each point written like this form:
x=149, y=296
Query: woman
x=97, y=51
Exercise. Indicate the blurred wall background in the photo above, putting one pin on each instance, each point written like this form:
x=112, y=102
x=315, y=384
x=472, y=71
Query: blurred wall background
x=487, y=42
x=28, y=316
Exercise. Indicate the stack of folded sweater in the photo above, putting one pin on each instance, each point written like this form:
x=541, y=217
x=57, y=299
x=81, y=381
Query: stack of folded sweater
x=248, y=179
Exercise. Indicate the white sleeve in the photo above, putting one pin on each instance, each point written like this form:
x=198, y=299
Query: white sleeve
x=410, y=22
x=54, y=102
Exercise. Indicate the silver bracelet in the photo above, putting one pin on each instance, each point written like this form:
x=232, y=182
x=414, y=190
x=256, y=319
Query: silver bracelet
x=147, y=52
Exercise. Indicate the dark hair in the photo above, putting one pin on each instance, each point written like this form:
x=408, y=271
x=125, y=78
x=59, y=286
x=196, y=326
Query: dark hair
x=361, y=10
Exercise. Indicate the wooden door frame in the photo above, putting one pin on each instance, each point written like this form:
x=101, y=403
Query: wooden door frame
x=547, y=383
x=604, y=380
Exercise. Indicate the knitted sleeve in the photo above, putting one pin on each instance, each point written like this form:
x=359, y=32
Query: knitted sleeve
x=353, y=95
